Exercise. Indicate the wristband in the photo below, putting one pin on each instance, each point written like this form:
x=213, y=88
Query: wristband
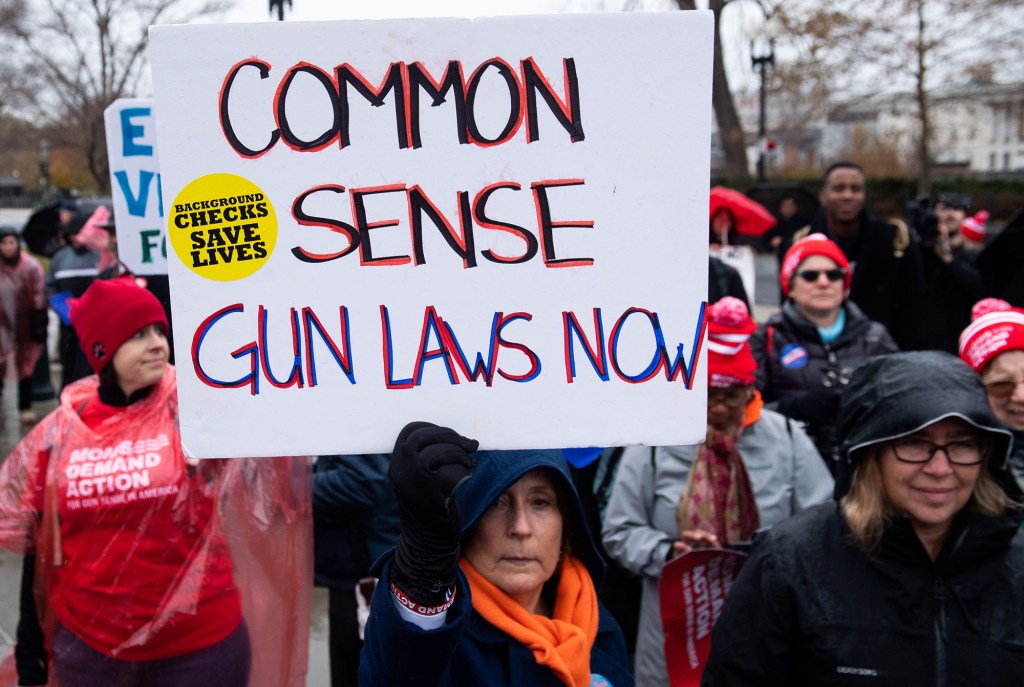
x=420, y=609
x=670, y=554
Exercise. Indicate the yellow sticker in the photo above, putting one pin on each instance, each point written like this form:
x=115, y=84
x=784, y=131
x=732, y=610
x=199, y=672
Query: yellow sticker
x=222, y=227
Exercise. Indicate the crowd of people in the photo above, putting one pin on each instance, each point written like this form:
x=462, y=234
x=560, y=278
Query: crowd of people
x=865, y=445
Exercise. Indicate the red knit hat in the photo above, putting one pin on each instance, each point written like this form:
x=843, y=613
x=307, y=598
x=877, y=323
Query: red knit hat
x=973, y=228
x=109, y=313
x=997, y=327
x=813, y=244
x=730, y=362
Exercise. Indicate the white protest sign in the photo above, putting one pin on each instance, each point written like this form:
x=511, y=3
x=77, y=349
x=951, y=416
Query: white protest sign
x=498, y=225
x=742, y=259
x=135, y=185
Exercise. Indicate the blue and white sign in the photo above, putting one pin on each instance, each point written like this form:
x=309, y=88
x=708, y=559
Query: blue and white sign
x=135, y=185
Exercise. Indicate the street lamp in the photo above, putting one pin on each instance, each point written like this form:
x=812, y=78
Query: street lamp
x=278, y=6
x=44, y=167
x=762, y=56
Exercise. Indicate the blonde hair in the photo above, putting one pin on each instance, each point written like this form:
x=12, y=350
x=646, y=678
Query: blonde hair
x=866, y=504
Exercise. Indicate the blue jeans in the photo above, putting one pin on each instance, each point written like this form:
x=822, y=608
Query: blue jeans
x=225, y=664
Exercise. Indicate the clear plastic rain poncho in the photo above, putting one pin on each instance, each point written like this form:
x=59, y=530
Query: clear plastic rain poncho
x=143, y=555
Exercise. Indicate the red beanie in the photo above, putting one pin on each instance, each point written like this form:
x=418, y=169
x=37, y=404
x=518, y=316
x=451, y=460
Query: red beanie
x=996, y=328
x=730, y=362
x=109, y=313
x=973, y=228
x=813, y=244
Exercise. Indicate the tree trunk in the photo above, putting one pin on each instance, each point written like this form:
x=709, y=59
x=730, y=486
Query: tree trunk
x=96, y=152
x=734, y=143
x=924, y=163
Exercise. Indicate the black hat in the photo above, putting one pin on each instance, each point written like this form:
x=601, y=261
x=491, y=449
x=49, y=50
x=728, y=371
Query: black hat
x=954, y=200
x=891, y=396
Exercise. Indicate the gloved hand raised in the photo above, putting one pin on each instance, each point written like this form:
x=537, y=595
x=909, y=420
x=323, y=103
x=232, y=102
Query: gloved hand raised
x=427, y=465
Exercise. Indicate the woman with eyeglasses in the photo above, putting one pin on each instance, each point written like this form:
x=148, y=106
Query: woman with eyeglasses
x=915, y=576
x=993, y=345
x=806, y=352
x=756, y=468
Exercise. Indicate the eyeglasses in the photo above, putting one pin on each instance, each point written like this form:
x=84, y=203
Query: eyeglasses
x=963, y=452
x=732, y=398
x=811, y=276
x=1002, y=389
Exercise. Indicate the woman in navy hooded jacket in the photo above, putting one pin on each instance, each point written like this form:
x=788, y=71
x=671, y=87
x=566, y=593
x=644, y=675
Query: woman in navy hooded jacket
x=494, y=578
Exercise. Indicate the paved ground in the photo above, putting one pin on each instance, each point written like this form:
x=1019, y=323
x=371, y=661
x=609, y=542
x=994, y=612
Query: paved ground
x=766, y=291
x=765, y=302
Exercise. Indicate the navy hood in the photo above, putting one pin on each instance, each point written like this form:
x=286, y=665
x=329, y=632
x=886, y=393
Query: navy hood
x=496, y=471
x=894, y=395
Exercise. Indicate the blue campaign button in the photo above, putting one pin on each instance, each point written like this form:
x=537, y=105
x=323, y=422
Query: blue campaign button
x=793, y=356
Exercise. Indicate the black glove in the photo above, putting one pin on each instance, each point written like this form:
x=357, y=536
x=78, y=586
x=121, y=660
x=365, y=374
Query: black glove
x=817, y=406
x=37, y=325
x=427, y=465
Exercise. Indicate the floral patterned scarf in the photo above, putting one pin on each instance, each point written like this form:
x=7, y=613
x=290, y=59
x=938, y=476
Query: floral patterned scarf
x=718, y=497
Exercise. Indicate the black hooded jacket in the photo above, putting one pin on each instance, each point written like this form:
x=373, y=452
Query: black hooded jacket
x=811, y=608
x=792, y=360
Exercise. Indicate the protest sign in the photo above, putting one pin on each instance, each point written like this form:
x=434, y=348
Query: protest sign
x=135, y=185
x=494, y=224
x=693, y=589
x=742, y=259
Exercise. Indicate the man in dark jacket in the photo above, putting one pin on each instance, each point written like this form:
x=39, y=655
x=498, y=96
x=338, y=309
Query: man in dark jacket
x=952, y=283
x=72, y=269
x=355, y=520
x=888, y=281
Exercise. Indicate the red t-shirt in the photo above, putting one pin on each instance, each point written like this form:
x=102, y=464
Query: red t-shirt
x=145, y=575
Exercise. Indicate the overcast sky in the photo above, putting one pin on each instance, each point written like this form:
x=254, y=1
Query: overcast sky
x=735, y=20
x=315, y=10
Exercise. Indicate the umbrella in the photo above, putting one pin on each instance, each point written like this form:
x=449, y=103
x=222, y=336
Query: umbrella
x=750, y=218
x=41, y=232
x=1000, y=262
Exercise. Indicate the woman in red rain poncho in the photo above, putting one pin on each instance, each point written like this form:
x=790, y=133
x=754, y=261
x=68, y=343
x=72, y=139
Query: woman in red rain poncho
x=22, y=316
x=145, y=558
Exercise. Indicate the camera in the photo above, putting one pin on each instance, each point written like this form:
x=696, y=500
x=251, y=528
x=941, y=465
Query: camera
x=920, y=216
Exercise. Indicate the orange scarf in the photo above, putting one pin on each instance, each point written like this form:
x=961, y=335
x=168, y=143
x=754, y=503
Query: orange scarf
x=753, y=412
x=562, y=642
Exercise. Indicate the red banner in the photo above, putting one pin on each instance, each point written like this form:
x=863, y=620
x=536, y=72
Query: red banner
x=693, y=590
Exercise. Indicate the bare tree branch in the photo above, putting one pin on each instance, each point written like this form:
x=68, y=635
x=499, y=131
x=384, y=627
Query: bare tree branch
x=887, y=46
x=89, y=53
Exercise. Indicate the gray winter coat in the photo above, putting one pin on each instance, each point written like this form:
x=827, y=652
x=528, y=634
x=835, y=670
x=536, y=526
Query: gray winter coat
x=786, y=474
